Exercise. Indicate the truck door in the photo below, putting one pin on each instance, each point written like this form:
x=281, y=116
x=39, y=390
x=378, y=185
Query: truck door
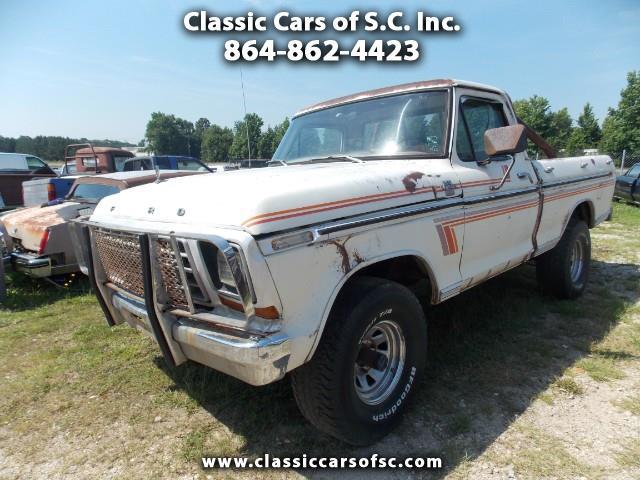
x=500, y=206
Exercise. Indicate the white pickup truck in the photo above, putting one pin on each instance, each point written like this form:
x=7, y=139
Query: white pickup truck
x=316, y=265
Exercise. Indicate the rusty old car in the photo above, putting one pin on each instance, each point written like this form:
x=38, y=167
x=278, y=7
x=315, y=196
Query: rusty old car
x=36, y=240
x=79, y=159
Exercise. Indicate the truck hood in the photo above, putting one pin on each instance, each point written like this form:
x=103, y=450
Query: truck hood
x=29, y=224
x=276, y=198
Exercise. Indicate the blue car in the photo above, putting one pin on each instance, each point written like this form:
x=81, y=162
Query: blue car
x=628, y=185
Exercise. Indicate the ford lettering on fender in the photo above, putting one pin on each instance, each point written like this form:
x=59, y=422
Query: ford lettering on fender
x=316, y=265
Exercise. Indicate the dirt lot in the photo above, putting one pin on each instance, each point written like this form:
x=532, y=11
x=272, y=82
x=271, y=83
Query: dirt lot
x=519, y=386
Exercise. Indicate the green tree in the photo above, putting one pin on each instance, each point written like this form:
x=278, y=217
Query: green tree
x=265, y=144
x=577, y=142
x=200, y=127
x=561, y=128
x=167, y=134
x=7, y=144
x=216, y=143
x=536, y=112
x=621, y=127
x=588, y=123
x=250, y=126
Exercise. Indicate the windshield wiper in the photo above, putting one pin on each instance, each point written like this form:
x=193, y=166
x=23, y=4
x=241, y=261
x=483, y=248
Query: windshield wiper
x=274, y=162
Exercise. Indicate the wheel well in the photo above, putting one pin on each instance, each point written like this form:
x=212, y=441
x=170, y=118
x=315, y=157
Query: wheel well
x=408, y=270
x=584, y=211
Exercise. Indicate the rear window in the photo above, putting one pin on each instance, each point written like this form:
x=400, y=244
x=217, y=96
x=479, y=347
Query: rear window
x=89, y=162
x=634, y=171
x=190, y=164
x=92, y=191
x=120, y=162
x=34, y=163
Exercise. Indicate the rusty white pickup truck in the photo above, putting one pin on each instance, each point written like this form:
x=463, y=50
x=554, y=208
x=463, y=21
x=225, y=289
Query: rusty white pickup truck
x=316, y=265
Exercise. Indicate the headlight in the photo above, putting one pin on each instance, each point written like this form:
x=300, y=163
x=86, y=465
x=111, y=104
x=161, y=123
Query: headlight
x=224, y=272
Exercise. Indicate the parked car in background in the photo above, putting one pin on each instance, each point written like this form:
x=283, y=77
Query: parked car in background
x=15, y=168
x=67, y=169
x=222, y=167
x=36, y=239
x=165, y=162
x=628, y=185
x=81, y=159
x=419, y=192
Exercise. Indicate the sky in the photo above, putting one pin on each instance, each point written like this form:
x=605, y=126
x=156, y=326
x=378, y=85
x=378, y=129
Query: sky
x=81, y=68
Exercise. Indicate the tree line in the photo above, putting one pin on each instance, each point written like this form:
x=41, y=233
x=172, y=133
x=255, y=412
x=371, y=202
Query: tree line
x=168, y=134
x=50, y=148
x=620, y=129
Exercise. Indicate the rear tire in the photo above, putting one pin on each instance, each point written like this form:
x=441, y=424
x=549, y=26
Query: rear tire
x=563, y=272
x=369, y=362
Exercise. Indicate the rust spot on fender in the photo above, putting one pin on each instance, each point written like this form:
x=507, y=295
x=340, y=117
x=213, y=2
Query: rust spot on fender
x=345, y=263
x=410, y=181
x=357, y=257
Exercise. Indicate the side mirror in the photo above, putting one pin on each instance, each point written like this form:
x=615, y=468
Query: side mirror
x=505, y=140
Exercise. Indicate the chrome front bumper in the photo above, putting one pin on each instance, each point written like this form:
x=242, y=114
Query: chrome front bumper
x=31, y=265
x=38, y=267
x=255, y=360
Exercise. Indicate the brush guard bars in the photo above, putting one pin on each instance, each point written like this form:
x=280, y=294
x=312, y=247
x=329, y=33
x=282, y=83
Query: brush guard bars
x=175, y=297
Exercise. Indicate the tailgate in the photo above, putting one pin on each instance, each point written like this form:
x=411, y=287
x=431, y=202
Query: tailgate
x=35, y=192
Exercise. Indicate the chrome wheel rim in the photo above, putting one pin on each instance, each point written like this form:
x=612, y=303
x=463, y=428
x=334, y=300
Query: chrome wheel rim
x=380, y=362
x=576, y=263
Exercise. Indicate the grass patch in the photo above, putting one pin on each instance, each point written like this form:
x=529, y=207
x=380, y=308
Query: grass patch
x=71, y=384
x=459, y=424
x=601, y=369
x=535, y=454
x=546, y=398
x=630, y=454
x=631, y=404
x=568, y=385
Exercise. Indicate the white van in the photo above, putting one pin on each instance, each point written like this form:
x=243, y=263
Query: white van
x=20, y=162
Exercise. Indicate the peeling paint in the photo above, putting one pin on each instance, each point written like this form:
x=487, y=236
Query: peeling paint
x=410, y=181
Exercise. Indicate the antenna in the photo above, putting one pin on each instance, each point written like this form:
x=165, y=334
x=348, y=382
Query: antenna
x=246, y=123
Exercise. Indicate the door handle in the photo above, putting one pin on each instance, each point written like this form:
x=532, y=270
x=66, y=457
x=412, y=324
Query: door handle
x=584, y=164
x=523, y=175
x=549, y=169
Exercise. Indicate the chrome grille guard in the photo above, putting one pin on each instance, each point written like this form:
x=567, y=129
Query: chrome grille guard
x=166, y=287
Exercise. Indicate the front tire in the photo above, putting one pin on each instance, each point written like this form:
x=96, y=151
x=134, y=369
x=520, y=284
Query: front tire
x=563, y=272
x=369, y=361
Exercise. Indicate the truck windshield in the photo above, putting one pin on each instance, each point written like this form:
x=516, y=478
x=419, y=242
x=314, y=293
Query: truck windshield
x=92, y=192
x=397, y=126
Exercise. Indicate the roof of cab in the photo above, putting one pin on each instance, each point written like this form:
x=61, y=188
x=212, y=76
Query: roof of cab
x=395, y=90
x=103, y=150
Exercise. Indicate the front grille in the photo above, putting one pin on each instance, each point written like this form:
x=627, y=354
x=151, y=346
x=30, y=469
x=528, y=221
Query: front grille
x=121, y=259
x=170, y=273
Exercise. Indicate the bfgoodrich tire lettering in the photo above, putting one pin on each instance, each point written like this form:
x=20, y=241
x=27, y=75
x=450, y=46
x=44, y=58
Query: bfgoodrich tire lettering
x=333, y=391
x=564, y=271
